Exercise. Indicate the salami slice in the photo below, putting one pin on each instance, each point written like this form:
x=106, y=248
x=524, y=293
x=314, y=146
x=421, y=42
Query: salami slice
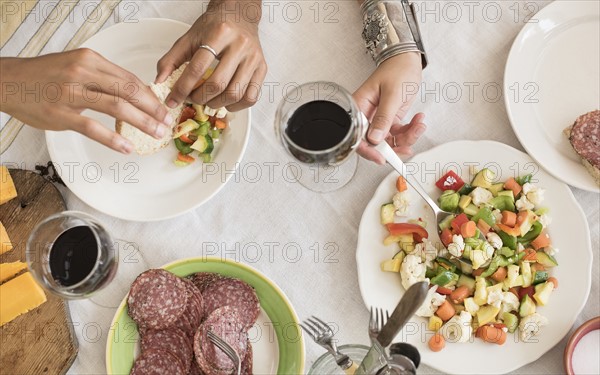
x=157, y=362
x=195, y=370
x=226, y=323
x=157, y=299
x=203, y=279
x=248, y=360
x=236, y=294
x=172, y=340
x=585, y=137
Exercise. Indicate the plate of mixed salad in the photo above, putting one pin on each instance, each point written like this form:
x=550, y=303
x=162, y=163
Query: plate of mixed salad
x=206, y=150
x=501, y=293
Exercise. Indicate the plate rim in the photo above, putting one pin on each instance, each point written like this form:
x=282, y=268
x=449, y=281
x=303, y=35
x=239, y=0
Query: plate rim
x=209, y=259
x=50, y=138
x=467, y=143
x=591, y=186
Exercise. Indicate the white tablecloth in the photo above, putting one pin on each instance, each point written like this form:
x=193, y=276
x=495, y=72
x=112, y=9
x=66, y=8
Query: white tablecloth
x=303, y=44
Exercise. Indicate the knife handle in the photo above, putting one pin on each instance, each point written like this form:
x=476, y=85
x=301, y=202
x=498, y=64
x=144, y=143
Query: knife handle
x=352, y=369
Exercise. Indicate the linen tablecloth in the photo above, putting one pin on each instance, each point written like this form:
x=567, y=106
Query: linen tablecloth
x=306, y=240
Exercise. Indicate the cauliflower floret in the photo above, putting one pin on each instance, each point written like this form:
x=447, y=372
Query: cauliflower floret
x=481, y=196
x=523, y=204
x=477, y=258
x=497, y=215
x=401, y=203
x=457, y=247
x=551, y=250
x=495, y=297
x=209, y=111
x=412, y=270
x=221, y=112
x=494, y=240
x=533, y=193
x=530, y=326
x=458, y=328
x=427, y=251
x=471, y=306
x=545, y=220
x=432, y=301
x=510, y=302
x=520, y=247
x=488, y=250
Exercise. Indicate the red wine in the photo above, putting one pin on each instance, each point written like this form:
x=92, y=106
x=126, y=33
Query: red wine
x=73, y=255
x=318, y=125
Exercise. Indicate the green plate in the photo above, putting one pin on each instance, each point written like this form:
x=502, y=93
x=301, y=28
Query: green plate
x=276, y=338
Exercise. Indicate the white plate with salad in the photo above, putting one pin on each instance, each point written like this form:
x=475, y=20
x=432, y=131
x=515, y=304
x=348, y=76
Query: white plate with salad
x=518, y=284
x=158, y=186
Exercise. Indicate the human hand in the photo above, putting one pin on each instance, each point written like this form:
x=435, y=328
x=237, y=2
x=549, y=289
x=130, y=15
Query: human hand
x=49, y=92
x=232, y=32
x=383, y=100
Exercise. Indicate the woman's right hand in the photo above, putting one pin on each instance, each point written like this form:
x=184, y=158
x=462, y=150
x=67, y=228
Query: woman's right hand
x=50, y=92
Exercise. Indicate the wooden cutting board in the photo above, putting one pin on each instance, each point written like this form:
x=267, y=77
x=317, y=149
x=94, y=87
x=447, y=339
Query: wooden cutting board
x=41, y=341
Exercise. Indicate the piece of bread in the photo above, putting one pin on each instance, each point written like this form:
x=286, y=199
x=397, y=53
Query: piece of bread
x=143, y=143
x=584, y=137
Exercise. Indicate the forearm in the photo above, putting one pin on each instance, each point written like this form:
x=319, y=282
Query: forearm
x=9, y=88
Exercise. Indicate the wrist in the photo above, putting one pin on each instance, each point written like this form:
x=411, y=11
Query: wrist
x=9, y=85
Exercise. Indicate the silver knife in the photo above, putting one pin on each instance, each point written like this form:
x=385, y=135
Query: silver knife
x=377, y=357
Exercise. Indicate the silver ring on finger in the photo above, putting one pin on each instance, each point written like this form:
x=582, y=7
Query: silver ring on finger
x=210, y=49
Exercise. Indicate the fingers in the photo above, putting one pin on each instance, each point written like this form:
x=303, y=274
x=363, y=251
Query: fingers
x=198, y=65
x=408, y=135
x=122, y=110
x=177, y=55
x=94, y=130
x=218, y=81
x=389, y=105
x=369, y=153
x=252, y=92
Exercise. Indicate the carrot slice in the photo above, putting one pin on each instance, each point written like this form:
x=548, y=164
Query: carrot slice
x=530, y=255
x=468, y=229
x=512, y=184
x=509, y=218
x=401, y=184
x=186, y=139
x=483, y=226
x=553, y=280
x=220, y=124
x=185, y=158
x=437, y=342
x=492, y=334
x=541, y=241
x=509, y=230
x=445, y=311
x=500, y=274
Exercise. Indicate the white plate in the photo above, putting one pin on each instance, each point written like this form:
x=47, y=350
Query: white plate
x=569, y=232
x=133, y=187
x=551, y=78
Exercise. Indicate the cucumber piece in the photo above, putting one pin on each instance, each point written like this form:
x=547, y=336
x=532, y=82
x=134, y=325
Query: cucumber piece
x=539, y=277
x=203, y=129
x=467, y=281
x=185, y=127
x=392, y=265
x=215, y=133
x=471, y=210
x=444, y=224
x=206, y=158
x=527, y=306
x=180, y=163
x=203, y=145
x=511, y=321
x=545, y=259
x=543, y=292
x=464, y=201
x=388, y=212
x=182, y=147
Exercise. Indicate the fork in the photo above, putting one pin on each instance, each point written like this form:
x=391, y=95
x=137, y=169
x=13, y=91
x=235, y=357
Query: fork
x=227, y=349
x=376, y=322
x=322, y=334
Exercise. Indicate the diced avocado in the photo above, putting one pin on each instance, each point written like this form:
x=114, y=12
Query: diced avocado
x=444, y=224
x=494, y=288
x=390, y=239
x=471, y=306
x=484, y=178
x=508, y=193
x=388, y=212
x=511, y=321
x=464, y=201
x=502, y=202
x=185, y=127
x=435, y=323
x=527, y=306
x=487, y=314
x=466, y=189
x=203, y=129
x=512, y=272
x=467, y=281
x=526, y=273
x=405, y=241
x=418, y=221
x=180, y=163
x=471, y=209
x=480, y=296
x=495, y=188
x=399, y=256
x=546, y=260
x=391, y=265
x=539, y=277
x=465, y=267
x=449, y=202
x=200, y=115
x=527, y=223
x=542, y=293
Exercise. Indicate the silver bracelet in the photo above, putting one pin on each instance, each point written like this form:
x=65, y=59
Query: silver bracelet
x=391, y=28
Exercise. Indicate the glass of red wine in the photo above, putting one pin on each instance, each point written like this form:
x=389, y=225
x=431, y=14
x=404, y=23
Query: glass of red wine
x=71, y=255
x=320, y=126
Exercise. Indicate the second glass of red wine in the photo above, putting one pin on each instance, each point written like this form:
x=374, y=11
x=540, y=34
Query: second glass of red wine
x=71, y=255
x=320, y=126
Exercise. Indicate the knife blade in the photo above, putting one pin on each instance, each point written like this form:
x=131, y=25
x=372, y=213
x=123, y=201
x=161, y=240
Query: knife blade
x=410, y=302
